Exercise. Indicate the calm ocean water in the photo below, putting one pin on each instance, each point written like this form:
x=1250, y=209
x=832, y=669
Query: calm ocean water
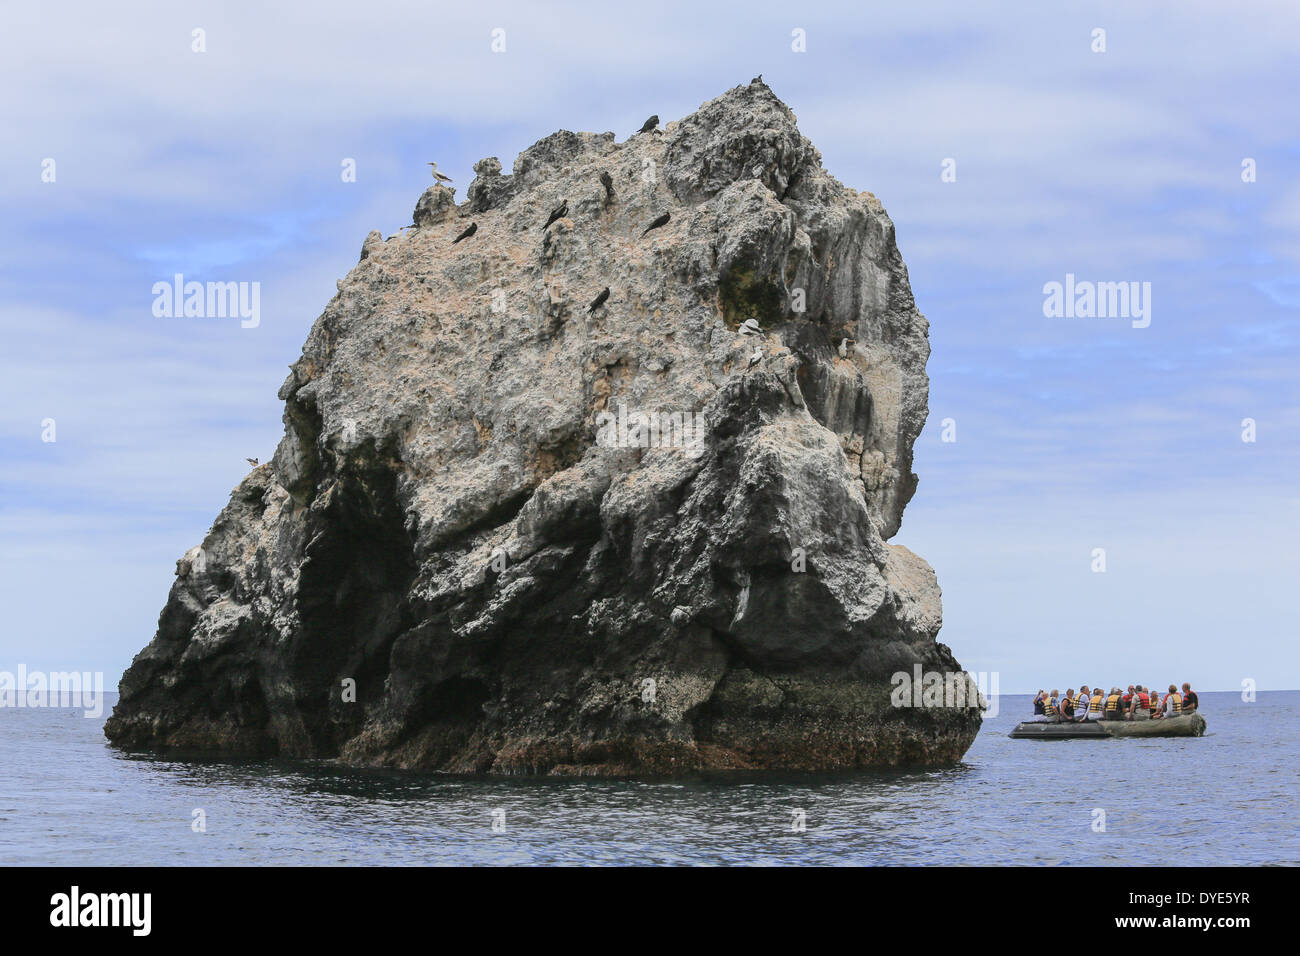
x=67, y=798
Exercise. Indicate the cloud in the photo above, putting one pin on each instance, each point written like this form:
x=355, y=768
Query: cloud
x=1117, y=166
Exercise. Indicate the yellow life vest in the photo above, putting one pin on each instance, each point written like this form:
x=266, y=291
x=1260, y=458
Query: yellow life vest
x=1112, y=704
x=1049, y=706
x=1094, y=706
x=1177, y=698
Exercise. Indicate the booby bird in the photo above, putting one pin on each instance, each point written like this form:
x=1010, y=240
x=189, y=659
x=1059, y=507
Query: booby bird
x=251, y=461
x=844, y=348
x=660, y=221
x=608, y=182
x=473, y=228
x=750, y=327
x=439, y=176
x=561, y=210
x=597, y=302
x=648, y=126
x=755, y=358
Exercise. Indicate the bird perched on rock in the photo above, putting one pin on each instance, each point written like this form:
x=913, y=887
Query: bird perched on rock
x=558, y=212
x=251, y=461
x=597, y=302
x=649, y=125
x=757, y=79
x=755, y=358
x=750, y=327
x=608, y=182
x=844, y=348
x=473, y=228
x=659, y=221
x=439, y=176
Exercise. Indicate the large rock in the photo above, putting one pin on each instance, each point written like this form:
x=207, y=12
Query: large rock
x=461, y=518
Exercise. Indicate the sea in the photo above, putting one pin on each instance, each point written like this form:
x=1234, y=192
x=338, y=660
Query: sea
x=1228, y=798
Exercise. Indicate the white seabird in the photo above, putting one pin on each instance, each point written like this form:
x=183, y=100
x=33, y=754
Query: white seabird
x=439, y=176
x=750, y=327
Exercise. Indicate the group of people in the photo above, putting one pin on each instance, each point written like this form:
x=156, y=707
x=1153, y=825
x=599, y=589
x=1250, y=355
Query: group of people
x=1139, y=703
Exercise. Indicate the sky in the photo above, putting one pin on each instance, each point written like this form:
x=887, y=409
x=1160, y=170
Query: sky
x=1071, y=433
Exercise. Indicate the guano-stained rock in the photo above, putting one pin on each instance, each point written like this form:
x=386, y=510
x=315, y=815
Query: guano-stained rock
x=461, y=518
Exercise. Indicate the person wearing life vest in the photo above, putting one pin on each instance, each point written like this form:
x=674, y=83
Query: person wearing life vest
x=1038, y=703
x=1095, y=705
x=1128, y=702
x=1140, y=708
x=1114, y=705
x=1051, y=710
x=1081, y=703
x=1190, y=700
x=1173, y=702
x=1067, y=705
x=1141, y=703
x=1155, y=699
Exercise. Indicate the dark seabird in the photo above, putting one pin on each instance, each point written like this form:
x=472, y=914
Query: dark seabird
x=473, y=228
x=649, y=125
x=561, y=210
x=597, y=302
x=251, y=461
x=608, y=182
x=439, y=176
x=661, y=221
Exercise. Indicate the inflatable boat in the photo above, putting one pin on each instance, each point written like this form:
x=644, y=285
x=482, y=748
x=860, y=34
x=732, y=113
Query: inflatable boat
x=1185, y=725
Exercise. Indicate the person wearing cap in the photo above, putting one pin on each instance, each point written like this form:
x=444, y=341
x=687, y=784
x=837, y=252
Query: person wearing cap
x=1140, y=708
x=1114, y=705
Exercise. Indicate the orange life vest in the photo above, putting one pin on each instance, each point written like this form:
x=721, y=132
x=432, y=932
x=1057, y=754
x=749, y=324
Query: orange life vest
x=1177, y=698
x=1049, y=706
x=1094, y=706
